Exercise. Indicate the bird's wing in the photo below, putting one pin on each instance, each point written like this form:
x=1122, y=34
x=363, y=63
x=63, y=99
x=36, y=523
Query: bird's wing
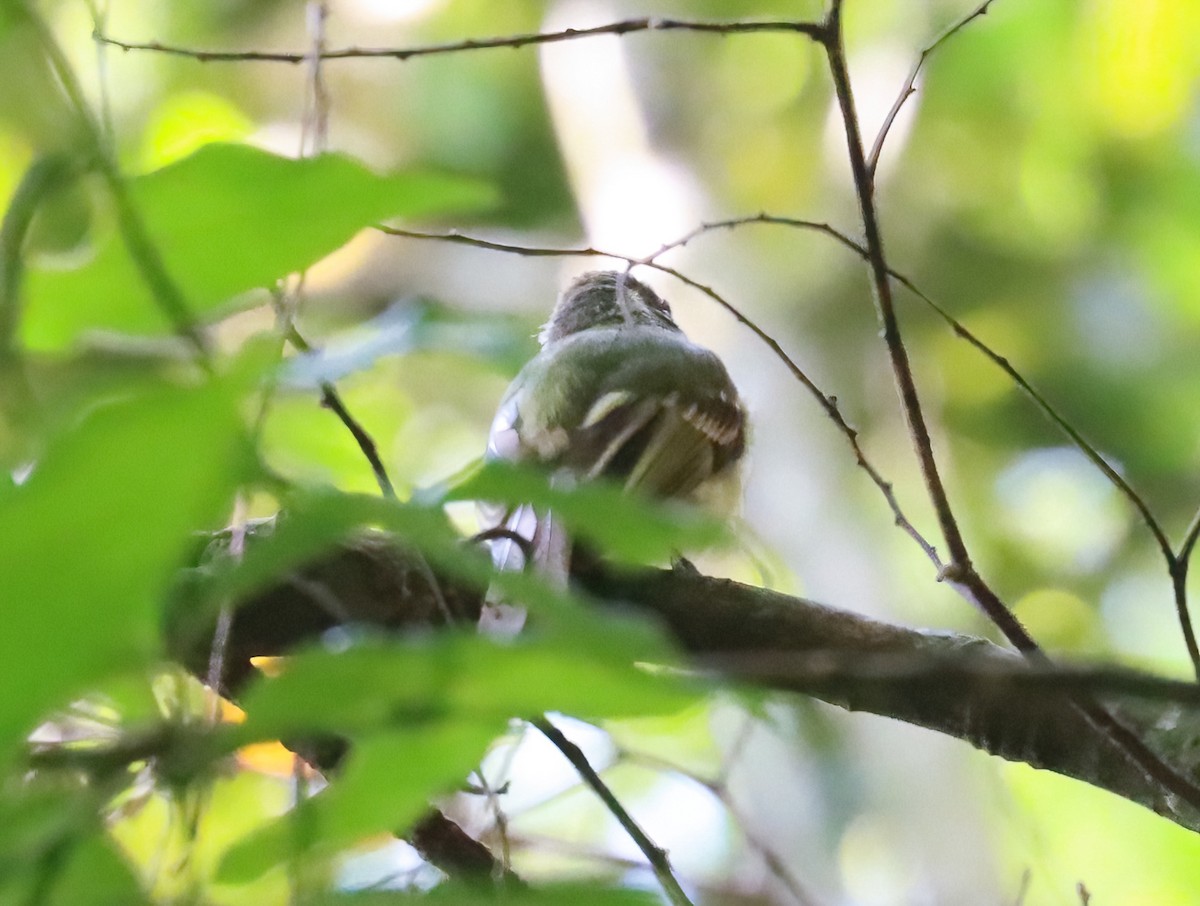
x=642, y=407
x=664, y=446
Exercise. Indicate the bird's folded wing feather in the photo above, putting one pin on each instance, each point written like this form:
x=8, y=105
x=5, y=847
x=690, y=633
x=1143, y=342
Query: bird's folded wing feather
x=661, y=424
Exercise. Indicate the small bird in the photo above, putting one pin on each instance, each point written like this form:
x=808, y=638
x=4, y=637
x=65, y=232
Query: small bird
x=617, y=392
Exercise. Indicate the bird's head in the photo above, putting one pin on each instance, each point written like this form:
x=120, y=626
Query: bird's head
x=605, y=299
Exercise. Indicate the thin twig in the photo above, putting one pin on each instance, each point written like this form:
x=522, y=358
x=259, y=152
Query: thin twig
x=1023, y=890
x=961, y=573
x=882, y=292
x=1189, y=538
x=655, y=855
x=908, y=89
x=215, y=678
x=1176, y=561
x=315, y=124
x=623, y=27
x=332, y=400
x=500, y=820
x=498, y=532
x=99, y=14
x=827, y=402
x=719, y=788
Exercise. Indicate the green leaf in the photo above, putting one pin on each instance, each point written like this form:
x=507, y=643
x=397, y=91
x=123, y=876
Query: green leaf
x=501, y=341
x=314, y=521
x=385, y=786
x=589, y=894
x=623, y=526
x=39, y=818
x=379, y=684
x=227, y=219
x=95, y=873
x=93, y=537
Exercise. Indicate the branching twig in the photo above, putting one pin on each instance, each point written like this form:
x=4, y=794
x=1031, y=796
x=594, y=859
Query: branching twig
x=882, y=291
x=961, y=572
x=827, y=402
x=655, y=855
x=1176, y=561
x=624, y=27
x=908, y=90
x=719, y=788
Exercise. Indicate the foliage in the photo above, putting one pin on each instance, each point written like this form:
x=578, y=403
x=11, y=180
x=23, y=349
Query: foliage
x=1041, y=186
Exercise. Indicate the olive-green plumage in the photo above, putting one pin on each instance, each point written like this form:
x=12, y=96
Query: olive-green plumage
x=618, y=392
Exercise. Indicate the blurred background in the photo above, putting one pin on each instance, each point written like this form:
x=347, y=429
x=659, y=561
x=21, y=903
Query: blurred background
x=1043, y=185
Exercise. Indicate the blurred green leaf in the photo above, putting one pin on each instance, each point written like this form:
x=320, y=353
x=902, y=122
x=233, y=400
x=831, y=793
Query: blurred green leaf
x=385, y=786
x=315, y=521
x=52, y=841
x=622, y=525
x=377, y=685
x=504, y=342
x=35, y=820
x=94, y=874
x=227, y=219
x=93, y=537
x=586, y=894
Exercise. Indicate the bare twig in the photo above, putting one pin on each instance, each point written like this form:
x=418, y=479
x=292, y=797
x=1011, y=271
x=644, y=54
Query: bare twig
x=655, y=855
x=215, y=678
x=1176, y=561
x=827, y=402
x=332, y=400
x=719, y=788
x=99, y=14
x=498, y=532
x=1189, y=538
x=961, y=573
x=908, y=89
x=500, y=821
x=623, y=27
x=315, y=126
x=882, y=291
x=1023, y=890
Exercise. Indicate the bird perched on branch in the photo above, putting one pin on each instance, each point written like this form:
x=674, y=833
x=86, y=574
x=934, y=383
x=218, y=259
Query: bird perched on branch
x=617, y=393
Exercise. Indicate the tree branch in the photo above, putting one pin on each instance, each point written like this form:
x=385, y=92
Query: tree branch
x=958, y=685
x=623, y=27
x=961, y=572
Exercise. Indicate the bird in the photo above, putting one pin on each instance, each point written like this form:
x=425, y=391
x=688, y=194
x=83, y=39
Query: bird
x=617, y=393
